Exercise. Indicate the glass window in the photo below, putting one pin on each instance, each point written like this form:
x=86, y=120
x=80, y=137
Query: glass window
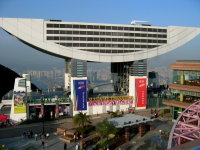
x=82, y=38
x=83, y=32
x=126, y=28
x=62, y=26
x=150, y=29
x=69, y=44
x=83, y=26
x=69, y=38
x=50, y=31
x=120, y=28
x=96, y=27
x=89, y=33
x=75, y=32
x=90, y=39
x=49, y=25
x=108, y=28
x=108, y=39
x=114, y=28
x=96, y=39
x=96, y=33
x=137, y=29
x=76, y=38
x=69, y=32
x=75, y=44
x=90, y=27
x=63, y=32
x=102, y=27
x=69, y=26
x=75, y=26
x=120, y=40
x=96, y=45
x=82, y=45
x=56, y=25
x=155, y=30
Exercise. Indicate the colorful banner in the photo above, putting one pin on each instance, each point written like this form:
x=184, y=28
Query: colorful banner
x=141, y=92
x=80, y=94
x=19, y=102
x=110, y=102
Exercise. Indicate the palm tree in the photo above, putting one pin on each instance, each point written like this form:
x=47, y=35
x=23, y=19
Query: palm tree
x=81, y=119
x=105, y=128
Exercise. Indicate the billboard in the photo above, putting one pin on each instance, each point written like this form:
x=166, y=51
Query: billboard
x=141, y=92
x=19, y=102
x=80, y=94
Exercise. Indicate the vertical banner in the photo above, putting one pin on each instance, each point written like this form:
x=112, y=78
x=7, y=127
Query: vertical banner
x=141, y=92
x=19, y=102
x=80, y=94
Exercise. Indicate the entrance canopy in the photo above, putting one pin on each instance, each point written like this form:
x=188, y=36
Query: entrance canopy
x=4, y=118
x=129, y=120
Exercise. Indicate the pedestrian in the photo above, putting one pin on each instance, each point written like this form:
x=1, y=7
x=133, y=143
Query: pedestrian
x=36, y=136
x=42, y=144
x=65, y=146
x=47, y=136
x=74, y=137
x=107, y=147
x=77, y=146
x=46, y=145
x=31, y=134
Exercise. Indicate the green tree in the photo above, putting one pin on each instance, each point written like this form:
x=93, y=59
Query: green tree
x=82, y=120
x=105, y=128
x=114, y=114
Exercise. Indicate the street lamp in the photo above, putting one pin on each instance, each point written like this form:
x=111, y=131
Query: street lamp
x=42, y=106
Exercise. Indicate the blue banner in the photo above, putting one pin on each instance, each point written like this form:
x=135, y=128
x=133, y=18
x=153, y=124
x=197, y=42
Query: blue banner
x=80, y=94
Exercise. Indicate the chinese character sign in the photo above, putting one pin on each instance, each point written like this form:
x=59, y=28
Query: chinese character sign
x=141, y=92
x=80, y=95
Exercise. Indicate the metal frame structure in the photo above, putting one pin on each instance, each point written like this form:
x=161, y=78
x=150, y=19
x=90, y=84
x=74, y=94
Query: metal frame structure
x=187, y=126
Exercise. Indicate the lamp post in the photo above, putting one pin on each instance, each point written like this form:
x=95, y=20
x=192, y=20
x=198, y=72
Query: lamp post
x=42, y=106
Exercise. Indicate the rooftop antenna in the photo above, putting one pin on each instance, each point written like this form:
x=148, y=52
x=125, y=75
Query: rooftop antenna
x=134, y=22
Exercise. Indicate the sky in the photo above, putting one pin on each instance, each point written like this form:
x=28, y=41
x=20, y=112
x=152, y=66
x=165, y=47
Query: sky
x=19, y=57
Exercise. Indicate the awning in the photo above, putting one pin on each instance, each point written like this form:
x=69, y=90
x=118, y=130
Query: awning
x=4, y=118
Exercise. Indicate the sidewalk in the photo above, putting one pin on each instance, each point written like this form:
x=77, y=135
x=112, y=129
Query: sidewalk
x=22, y=143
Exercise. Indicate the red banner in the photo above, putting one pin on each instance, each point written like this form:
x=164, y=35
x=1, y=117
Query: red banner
x=141, y=92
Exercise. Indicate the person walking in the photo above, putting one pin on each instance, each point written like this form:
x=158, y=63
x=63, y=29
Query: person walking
x=77, y=146
x=65, y=146
x=36, y=136
x=42, y=144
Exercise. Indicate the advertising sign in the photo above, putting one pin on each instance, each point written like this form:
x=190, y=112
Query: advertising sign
x=19, y=102
x=80, y=94
x=141, y=92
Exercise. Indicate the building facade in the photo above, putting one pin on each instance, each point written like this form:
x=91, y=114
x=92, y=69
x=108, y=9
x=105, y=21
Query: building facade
x=126, y=47
x=186, y=86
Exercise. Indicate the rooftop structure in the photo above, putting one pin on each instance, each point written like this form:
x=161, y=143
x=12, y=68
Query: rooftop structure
x=97, y=41
x=128, y=120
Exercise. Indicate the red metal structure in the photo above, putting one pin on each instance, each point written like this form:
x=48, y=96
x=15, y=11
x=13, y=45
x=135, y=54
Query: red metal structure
x=187, y=126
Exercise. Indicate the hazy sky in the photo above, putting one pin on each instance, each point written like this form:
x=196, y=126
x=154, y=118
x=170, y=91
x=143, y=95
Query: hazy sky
x=19, y=57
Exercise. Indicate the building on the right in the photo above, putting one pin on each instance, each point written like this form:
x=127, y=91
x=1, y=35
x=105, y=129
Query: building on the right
x=185, y=88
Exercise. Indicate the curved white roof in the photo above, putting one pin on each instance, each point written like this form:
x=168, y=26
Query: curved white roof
x=33, y=33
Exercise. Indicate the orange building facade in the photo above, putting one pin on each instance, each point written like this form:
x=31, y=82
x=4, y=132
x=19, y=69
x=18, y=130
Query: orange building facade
x=185, y=88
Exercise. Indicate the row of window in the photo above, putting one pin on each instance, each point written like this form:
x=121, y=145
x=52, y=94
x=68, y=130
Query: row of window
x=107, y=45
x=110, y=51
x=104, y=39
x=105, y=27
x=106, y=33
